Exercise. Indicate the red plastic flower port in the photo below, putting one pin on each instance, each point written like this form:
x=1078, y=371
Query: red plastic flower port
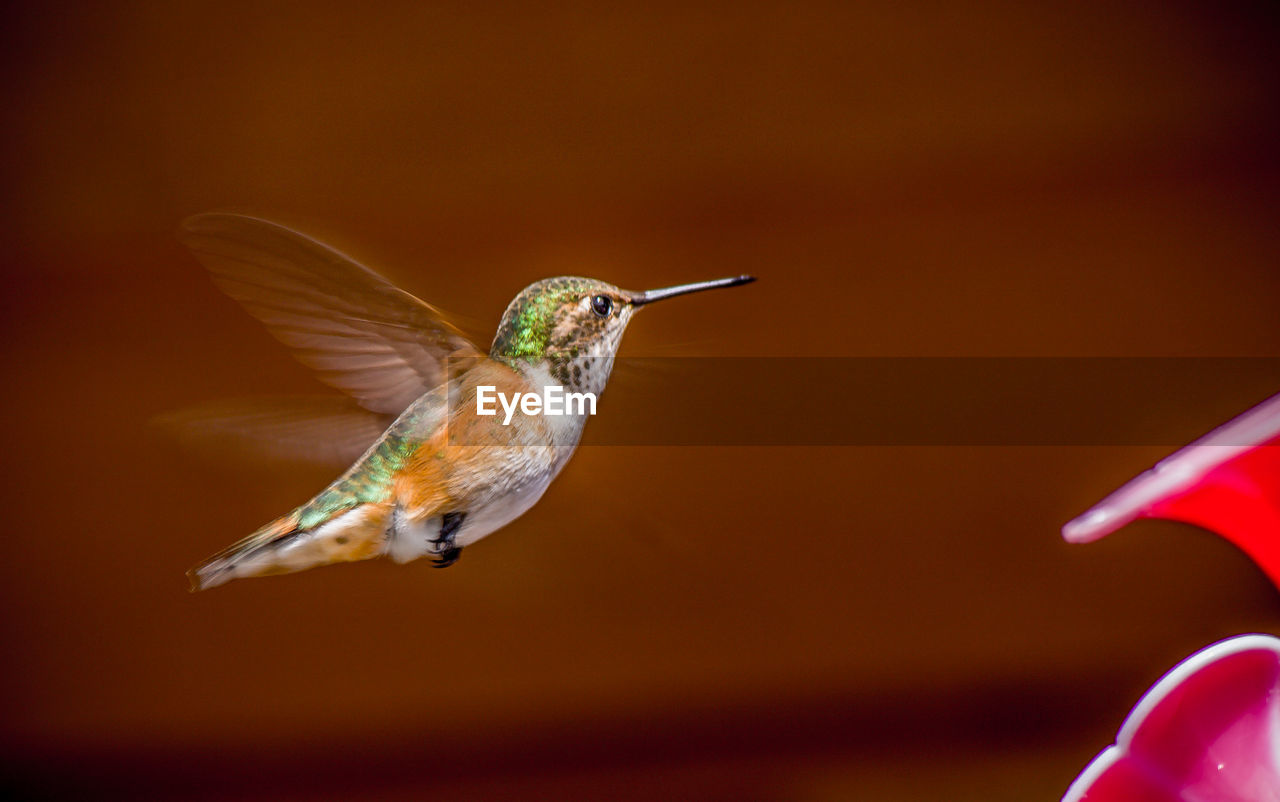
x=1208, y=730
x=1227, y=482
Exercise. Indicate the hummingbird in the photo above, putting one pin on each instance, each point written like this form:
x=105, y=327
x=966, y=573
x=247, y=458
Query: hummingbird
x=442, y=474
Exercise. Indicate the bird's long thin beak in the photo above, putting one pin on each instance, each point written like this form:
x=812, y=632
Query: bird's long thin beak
x=650, y=296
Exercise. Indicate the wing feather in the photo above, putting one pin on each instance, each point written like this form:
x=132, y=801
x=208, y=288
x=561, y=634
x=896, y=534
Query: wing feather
x=361, y=334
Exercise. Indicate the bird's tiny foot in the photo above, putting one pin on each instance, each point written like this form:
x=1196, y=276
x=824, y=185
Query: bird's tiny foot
x=444, y=549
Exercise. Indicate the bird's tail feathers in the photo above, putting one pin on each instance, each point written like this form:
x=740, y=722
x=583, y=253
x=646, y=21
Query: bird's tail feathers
x=285, y=545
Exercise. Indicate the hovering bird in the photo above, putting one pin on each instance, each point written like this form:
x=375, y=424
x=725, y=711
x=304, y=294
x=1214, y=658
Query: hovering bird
x=444, y=473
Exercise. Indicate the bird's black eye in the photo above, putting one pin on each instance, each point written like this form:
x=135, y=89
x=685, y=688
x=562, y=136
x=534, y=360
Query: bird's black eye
x=602, y=305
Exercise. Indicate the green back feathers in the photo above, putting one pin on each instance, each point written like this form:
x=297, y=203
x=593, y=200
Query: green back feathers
x=371, y=478
x=369, y=482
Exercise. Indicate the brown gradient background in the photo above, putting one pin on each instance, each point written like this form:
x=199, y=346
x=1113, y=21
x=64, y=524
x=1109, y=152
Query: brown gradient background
x=991, y=179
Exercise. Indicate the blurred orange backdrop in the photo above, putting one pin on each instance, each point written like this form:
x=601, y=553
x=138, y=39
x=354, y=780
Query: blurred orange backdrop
x=990, y=179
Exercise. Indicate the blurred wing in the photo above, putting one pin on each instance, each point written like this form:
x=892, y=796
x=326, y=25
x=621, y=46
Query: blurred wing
x=373, y=341
x=326, y=430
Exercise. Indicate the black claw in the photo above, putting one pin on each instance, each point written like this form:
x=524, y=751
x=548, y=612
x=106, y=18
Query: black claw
x=446, y=552
x=446, y=558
